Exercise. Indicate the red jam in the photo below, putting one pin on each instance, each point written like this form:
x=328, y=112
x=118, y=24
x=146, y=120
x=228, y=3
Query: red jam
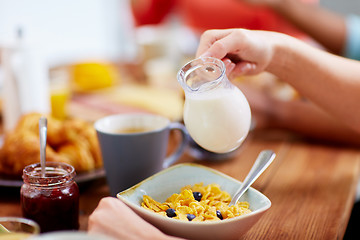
x=52, y=200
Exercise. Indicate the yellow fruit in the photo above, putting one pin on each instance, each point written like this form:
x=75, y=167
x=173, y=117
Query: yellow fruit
x=92, y=76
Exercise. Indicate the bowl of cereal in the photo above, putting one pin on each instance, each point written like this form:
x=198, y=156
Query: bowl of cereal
x=191, y=201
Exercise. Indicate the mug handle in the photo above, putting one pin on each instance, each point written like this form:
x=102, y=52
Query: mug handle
x=181, y=148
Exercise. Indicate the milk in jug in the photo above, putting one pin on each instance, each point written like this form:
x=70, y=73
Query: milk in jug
x=216, y=113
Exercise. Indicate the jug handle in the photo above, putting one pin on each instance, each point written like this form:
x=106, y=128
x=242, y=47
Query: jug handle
x=181, y=148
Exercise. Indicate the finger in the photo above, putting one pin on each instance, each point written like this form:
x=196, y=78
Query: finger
x=228, y=43
x=229, y=65
x=207, y=40
x=245, y=68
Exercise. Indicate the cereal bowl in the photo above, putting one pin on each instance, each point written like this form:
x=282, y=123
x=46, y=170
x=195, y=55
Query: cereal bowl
x=169, y=181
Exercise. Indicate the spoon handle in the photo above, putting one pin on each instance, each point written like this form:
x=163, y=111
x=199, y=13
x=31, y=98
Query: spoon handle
x=42, y=134
x=262, y=162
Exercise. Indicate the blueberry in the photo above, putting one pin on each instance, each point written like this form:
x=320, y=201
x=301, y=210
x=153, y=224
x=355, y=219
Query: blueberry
x=190, y=217
x=219, y=215
x=170, y=212
x=197, y=196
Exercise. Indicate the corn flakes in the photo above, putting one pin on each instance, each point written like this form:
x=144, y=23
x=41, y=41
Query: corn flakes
x=197, y=203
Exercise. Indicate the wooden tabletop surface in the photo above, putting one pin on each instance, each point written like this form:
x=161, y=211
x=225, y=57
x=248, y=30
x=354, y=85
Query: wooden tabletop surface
x=311, y=186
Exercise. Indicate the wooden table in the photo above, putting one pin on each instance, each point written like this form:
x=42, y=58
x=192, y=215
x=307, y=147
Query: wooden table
x=311, y=186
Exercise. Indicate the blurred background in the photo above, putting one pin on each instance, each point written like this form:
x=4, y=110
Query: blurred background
x=126, y=51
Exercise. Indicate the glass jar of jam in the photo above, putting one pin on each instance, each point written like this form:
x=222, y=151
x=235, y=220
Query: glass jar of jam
x=51, y=199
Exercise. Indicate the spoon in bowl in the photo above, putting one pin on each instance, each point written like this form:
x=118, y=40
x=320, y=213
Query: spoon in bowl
x=263, y=160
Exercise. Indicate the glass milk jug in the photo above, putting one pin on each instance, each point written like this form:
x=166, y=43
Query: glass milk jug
x=216, y=113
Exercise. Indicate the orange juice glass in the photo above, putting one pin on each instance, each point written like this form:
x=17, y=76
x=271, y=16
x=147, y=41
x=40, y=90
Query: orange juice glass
x=59, y=92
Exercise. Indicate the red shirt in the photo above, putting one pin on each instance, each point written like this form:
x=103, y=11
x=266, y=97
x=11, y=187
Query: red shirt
x=201, y=15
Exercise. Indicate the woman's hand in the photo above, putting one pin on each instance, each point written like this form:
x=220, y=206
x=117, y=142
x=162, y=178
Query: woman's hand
x=114, y=219
x=243, y=51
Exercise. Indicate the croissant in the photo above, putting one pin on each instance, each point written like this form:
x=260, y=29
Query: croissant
x=71, y=141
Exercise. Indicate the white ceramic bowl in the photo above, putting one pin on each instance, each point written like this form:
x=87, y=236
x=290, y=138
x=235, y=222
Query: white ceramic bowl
x=169, y=181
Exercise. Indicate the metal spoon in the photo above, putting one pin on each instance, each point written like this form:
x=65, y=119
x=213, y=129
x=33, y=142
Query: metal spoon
x=262, y=162
x=42, y=134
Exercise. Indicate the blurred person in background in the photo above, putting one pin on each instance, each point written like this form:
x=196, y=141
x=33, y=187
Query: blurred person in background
x=168, y=31
x=201, y=15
